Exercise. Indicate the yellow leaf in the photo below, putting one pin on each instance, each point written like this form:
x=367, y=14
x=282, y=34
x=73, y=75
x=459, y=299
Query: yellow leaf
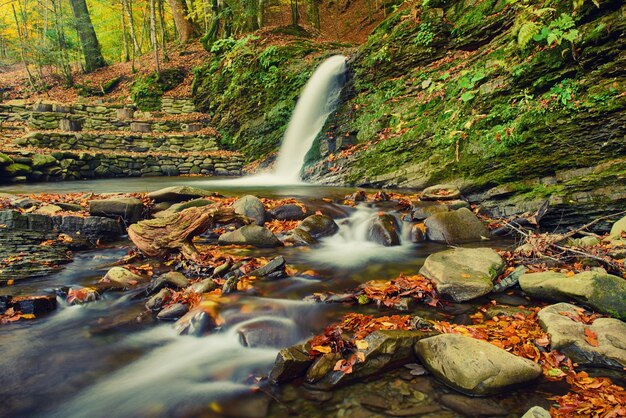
x=361, y=344
x=322, y=349
x=360, y=356
x=27, y=316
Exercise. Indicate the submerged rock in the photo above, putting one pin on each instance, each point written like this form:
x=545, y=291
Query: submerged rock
x=178, y=194
x=601, y=291
x=254, y=235
x=275, y=268
x=251, y=207
x=173, y=312
x=319, y=226
x=463, y=273
x=36, y=305
x=478, y=407
x=455, y=227
x=267, y=332
x=195, y=322
x=473, y=366
x=384, y=230
x=569, y=337
x=127, y=208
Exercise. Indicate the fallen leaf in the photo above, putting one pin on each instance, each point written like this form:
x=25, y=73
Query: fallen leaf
x=591, y=337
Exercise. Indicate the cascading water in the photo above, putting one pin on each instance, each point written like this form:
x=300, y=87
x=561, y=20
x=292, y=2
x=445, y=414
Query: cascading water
x=318, y=99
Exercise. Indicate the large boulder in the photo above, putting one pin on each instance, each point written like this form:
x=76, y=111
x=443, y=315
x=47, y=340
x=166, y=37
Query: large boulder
x=254, y=235
x=250, y=207
x=455, y=227
x=572, y=338
x=618, y=228
x=597, y=289
x=178, y=194
x=129, y=209
x=319, y=226
x=463, y=273
x=384, y=230
x=473, y=366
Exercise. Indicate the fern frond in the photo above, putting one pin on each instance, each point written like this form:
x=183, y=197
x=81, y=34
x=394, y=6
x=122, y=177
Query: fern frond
x=526, y=33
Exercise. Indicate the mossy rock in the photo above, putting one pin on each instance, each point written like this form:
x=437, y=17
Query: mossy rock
x=41, y=160
x=16, y=169
x=5, y=160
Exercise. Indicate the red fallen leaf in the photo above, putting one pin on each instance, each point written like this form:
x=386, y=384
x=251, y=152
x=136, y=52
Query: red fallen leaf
x=591, y=337
x=345, y=365
x=543, y=341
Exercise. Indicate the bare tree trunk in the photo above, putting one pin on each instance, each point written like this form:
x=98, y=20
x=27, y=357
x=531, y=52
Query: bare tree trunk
x=314, y=13
x=166, y=58
x=184, y=26
x=153, y=36
x=260, y=18
x=31, y=81
x=66, y=69
x=87, y=34
x=124, y=34
x=128, y=6
x=295, y=14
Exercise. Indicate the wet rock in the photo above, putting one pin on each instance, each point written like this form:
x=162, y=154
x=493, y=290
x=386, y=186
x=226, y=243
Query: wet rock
x=178, y=194
x=300, y=238
x=463, y=273
x=441, y=192
x=416, y=234
x=127, y=320
x=267, y=332
x=536, y=412
x=509, y=281
x=319, y=226
x=568, y=336
x=119, y=277
x=385, y=350
x=204, y=286
x=173, y=312
x=422, y=210
x=473, y=406
x=383, y=230
x=196, y=203
x=599, y=290
x=230, y=285
x=251, y=207
x=172, y=279
x=473, y=366
x=127, y=208
x=455, y=227
x=195, y=322
x=156, y=302
x=36, y=305
x=254, y=235
x=289, y=212
x=315, y=395
x=291, y=363
x=275, y=268
x=4, y=303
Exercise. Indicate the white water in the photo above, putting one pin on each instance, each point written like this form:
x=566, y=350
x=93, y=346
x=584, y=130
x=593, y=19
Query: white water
x=317, y=101
x=351, y=247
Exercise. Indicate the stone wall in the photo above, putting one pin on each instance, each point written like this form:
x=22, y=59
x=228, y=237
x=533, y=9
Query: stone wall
x=177, y=105
x=127, y=142
x=67, y=165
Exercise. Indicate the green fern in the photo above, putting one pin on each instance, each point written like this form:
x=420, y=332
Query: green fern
x=526, y=33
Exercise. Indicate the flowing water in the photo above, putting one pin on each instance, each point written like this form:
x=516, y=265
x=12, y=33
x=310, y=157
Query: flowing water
x=96, y=360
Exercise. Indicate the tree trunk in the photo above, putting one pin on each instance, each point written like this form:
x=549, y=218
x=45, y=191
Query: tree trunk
x=159, y=237
x=314, y=13
x=295, y=14
x=124, y=34
x=261, y=14
x=153, y=36
x=87, y=34
x=184, y=26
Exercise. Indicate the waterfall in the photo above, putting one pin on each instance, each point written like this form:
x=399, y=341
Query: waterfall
x=317, y=101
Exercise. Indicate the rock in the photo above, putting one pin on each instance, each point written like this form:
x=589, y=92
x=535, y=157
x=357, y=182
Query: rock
x=48, y=210
x=536, y=412
x=291, y=363
x=383, y=230
x=618, y=228
x=422, y=210
x=5, y=160
x=463, y=273
x=267, y=332
x=319, y=226
x=120, y=277
x=300, y=237
x=289, y=212
x=455, y=227
x=171, y=279
x=127, y=208
x=385, y=350
x=254, y=235
x=16, y=170
x=204, y=286
x=478, y=407
x=416, y=234
x=70, y=207
x=70, y=125
x=24, y=203
x=250, y=207
x=178, y=194
x=509, y=281
x=601, y=291
x=141, y=127
x=441, y=192
x=473, y=366
x=36, y=305
x=156, y=302
x=276, y=265
x=568, y=336
x=196, y=203
x=41, y=160
x=195, y=322
x=173, y=312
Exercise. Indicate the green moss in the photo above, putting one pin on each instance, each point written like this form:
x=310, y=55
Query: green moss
x=147, y=91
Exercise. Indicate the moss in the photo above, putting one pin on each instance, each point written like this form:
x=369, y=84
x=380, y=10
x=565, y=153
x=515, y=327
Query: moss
x=147, y=91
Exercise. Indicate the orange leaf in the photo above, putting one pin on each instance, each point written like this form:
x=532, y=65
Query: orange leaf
x=591, y=337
